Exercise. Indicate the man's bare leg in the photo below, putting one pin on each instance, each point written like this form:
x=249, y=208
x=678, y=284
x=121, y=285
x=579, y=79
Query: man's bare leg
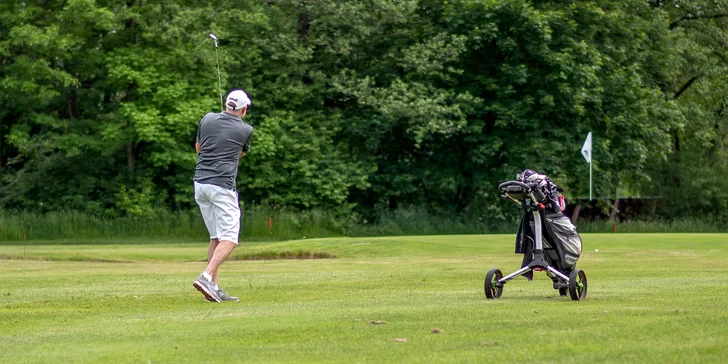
x=210, y=252
x=222, y=251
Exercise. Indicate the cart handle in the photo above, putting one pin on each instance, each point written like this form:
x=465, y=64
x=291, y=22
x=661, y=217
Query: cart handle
x=505, y=186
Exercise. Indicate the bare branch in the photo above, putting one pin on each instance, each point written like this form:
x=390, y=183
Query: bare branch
x=689, y=16
x=686, y=86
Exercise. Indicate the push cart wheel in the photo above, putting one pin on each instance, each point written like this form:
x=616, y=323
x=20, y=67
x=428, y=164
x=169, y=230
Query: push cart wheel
x=564, y=291
x=577, y=285
x=492, y=288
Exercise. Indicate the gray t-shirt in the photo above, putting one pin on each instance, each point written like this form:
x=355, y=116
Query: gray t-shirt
x=222, y=137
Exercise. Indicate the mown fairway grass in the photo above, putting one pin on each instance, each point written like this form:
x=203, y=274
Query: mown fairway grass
x=653, y=298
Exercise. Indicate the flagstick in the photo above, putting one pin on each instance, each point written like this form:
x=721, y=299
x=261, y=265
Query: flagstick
x=590, y=181
x=591, y=161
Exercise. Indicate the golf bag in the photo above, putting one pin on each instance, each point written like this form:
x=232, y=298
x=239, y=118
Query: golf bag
x=561, y=242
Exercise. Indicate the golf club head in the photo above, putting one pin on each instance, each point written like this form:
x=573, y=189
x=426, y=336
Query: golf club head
x=214, y=38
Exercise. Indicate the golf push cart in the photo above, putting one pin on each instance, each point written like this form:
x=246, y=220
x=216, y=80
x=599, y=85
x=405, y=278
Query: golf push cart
x=546, y=238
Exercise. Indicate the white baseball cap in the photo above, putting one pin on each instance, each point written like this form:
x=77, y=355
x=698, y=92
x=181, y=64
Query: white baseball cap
x=237, y=99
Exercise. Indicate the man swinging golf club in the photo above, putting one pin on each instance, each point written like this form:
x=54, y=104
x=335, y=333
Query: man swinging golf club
x=222, y=139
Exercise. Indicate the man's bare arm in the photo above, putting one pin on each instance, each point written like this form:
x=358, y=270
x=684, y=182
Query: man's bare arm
x=197, y=147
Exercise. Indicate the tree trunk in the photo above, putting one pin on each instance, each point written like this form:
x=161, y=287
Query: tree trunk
x=2, y=152
x=615, y=209
x=676, y=131
x=718, y=139
x=575, y=214
x=652, y=210
x=73, y=110
x=130, y=158
x=303, y=21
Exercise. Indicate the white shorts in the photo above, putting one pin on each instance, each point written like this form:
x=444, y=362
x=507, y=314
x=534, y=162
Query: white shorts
x=220, y=210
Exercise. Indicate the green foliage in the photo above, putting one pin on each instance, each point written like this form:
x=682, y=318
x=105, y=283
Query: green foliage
x=296, y=164
x=136, y=202
x=363, y=106
x=137, y=217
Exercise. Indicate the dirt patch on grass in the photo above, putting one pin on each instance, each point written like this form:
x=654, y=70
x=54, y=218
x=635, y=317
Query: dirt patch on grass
x=74, y=258
x=287, y=254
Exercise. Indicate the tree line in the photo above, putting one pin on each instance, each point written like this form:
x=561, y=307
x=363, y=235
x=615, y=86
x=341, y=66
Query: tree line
x=365, y=105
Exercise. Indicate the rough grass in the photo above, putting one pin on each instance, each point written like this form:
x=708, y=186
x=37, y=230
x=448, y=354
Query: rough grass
x=262, y=223
x=652, y=298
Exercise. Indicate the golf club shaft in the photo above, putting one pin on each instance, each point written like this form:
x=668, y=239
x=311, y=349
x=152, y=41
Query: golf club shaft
x=219, y=80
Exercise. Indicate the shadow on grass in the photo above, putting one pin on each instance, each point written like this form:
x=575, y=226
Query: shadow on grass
x=75, y=258
x=286, y=254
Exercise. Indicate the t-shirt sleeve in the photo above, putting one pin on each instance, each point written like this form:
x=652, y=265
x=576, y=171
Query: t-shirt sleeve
x=199, y=126
x=246, y=144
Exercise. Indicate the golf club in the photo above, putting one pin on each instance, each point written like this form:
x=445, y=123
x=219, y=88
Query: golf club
x=219, y=81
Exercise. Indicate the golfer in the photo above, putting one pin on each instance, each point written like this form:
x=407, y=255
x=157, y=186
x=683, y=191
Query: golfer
x=222, y=138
